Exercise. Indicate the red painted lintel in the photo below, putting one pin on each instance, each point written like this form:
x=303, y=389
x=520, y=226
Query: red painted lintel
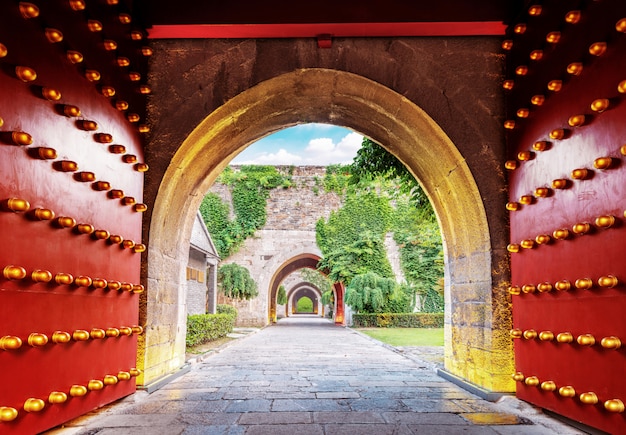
x=336, y=30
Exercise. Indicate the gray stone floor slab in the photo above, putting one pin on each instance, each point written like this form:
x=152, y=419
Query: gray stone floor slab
x=304, y=376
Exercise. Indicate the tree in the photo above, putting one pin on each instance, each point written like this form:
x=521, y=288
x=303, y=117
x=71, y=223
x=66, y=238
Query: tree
x=372, y=160
x=281, y=297
x=365, y=254
x=235, y=282
x=370, y=293
x=414, y=224
x=352, y=238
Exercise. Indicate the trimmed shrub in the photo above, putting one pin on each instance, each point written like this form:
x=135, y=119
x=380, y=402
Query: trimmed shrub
x=398, y=320
x=202, y=328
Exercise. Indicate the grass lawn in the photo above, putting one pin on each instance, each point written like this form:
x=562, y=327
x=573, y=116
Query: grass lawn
x=406, y=336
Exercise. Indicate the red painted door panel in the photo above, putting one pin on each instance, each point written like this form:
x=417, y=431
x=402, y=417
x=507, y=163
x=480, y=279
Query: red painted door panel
x=71, y=182
x=568, y=198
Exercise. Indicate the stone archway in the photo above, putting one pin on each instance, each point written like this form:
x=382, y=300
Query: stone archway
x=318, y=307
x=297, y=262
x=304, y=292
x=477, y=348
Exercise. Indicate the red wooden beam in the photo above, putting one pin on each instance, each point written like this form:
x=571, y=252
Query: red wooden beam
x=336, y=30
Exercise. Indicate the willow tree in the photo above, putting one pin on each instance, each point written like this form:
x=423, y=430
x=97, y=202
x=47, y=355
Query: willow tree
x=235, y=282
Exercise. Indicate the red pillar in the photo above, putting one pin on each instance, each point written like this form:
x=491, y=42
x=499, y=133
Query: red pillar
x=339, y=305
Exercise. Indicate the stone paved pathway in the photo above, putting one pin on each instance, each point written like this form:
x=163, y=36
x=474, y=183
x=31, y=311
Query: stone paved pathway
x=307, y=376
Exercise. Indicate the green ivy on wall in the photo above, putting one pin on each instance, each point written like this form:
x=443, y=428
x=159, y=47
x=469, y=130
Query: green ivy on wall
x=352, y=238
x=421, y=253
x=250, y=187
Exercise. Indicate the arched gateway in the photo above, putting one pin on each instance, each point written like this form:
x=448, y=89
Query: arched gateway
x=477, y=348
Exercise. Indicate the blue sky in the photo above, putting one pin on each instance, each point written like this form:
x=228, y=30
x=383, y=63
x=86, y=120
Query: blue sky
x=305, y=144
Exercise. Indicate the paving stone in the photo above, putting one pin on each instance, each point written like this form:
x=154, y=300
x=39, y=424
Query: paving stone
x=252, y=405
x=286, y=429
x=348, y=417
x=208, y=406
x=423, y=429
x=440, y=418
x=476, y=405
x=145, y=408
x=170, y=430
x=364, y=429
x=209, y=418
x=188, y=394
x=529, y=430
x=308, y=405
x=427, y=405
x=308, y=376
x=242, y=393
x=146, y=420
x=213, y=430
x=275, y=418
x=377, y=405
x=337, y=395
x=290, y=395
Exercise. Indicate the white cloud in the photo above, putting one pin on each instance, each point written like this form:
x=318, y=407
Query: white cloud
x=322, y=151
x=295, y=150
x=281, y=157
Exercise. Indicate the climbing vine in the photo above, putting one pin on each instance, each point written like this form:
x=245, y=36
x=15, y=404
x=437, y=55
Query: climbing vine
x=336, y=178
x=421, y=253
x=250, y=187
x=352, y=238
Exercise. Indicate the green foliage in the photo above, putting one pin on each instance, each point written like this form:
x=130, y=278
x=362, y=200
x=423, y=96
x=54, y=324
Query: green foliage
x=250, y=187
x=432, y=301
x=281, y=297
x=223, y=231
x=369, y=292
x=398, y=320
x=373, y=161
x=352, y=239
x=304, y=305
x=414, y=223
x=235, y=282
x=202, y=328
x=336, y=178
x=366, y=254
x=421, y=253
x=320, y=281
x=226, y=309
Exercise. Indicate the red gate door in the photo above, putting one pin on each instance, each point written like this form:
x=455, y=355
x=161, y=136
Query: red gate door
x=566, y=131
x=71, y=186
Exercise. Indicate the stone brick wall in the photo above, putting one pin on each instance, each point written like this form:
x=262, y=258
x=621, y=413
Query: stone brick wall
x=196, y=283
x=290, y=229
x=300, y=206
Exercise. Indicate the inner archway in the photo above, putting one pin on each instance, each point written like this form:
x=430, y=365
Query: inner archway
x=477, y=346
x=305, y=289
x=297, y=262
